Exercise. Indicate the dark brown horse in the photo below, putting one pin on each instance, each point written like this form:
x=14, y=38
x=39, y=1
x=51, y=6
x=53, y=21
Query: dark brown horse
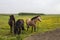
x=11, y=23
x=19, y=26
x=32, y=22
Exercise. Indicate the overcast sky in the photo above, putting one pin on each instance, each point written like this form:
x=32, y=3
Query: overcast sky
x=38, y=6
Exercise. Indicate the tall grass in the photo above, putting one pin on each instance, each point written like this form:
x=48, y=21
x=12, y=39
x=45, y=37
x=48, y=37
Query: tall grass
x=49, y=22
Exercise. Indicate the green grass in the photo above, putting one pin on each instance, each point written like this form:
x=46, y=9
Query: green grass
x=49, y=22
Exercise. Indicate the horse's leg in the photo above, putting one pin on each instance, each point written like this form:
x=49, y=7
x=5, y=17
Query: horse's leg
x=19, y=30
x=10, y=28
x=15, y=30
x=23, y=27
x=13, y=25
x=34, y=28
x=27, y=27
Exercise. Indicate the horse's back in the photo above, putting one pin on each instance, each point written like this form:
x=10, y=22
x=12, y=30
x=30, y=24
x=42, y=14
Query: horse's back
x=28, y=20
x=19, y=22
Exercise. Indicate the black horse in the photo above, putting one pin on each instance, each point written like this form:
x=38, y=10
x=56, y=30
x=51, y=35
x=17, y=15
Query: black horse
x=19, y=26
x=11, y=23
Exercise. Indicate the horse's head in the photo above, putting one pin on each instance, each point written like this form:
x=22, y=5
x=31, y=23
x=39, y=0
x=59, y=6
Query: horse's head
x=36, y=18
x=39, y=18
x=11, y=16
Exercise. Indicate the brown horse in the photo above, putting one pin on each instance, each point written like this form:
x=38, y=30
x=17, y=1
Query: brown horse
x=32, y=22
x=11, y=23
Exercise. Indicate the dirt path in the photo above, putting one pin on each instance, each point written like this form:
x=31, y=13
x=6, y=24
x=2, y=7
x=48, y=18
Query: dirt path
x=51, y=35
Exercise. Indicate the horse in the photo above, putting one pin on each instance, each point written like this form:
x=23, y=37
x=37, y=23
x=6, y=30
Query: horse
x=32, y=22
x=19, y=26
x=11, y=23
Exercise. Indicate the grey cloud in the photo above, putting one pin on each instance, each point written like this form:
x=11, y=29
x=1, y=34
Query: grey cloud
x=44, y=6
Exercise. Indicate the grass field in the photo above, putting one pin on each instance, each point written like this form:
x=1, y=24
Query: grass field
x=49, y=22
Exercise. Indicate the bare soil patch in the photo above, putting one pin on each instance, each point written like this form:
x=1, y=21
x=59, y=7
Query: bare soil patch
x=50, y=35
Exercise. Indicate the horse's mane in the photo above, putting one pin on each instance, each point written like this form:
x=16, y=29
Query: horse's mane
x=34, y=17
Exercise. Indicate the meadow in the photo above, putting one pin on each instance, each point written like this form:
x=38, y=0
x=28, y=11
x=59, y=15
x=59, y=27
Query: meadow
x=49, y=23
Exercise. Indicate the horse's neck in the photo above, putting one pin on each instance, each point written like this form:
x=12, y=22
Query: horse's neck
x=34, y=20
x=12, y=20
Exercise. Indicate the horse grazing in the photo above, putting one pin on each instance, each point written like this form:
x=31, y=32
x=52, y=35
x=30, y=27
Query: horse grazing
x=11, y=23
x=19, y=26
x=32, y=22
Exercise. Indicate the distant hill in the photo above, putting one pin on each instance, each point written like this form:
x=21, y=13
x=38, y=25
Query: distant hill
x=22, y=13
x=30, y=13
